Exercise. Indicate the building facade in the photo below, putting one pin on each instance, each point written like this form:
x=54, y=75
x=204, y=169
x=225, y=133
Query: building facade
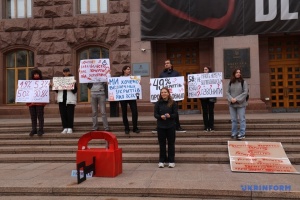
x=54, y=34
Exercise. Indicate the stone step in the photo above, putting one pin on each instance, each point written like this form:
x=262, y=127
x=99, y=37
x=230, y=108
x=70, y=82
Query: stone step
x=139, y=149
x=220, y=158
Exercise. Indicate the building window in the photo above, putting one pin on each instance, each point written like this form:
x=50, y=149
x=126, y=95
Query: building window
x=18, y=67
x=92, y=6
x=89, y=53
x=18, y=9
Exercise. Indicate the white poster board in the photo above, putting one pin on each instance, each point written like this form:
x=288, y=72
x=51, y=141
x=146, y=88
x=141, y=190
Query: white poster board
x=124, y=88
x=30, y=91
x=94, y=70
x=205, y=85
x=63, y=83
x=174, y=84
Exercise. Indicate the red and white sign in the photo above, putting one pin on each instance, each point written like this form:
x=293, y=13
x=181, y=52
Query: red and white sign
x=94, y=70
x=63, y=83
x=30, y=91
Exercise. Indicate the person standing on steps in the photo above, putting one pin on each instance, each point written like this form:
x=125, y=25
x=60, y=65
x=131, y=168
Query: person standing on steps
x=98, y=99
x=237, y=92
x=166, y=111
x=208, y=105
x=36, y=109
x=67, y=100
x=126, y=71
x=170, y=72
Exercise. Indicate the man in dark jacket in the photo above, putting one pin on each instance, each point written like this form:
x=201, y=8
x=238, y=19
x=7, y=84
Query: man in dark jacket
x=170, y=72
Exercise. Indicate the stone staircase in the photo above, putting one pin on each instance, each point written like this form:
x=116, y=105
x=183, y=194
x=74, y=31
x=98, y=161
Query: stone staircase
x=193, y=147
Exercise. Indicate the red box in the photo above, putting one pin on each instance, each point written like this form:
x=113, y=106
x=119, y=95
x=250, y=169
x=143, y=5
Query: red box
x=108, y=160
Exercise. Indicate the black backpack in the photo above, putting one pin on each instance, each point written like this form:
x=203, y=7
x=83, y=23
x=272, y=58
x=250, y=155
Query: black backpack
x=242, y=82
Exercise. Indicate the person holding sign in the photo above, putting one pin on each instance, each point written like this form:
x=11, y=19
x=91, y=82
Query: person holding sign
x=67, y=100
x=36, y=109
x=170, y=72
x=236, y=96
x=98, y=97
x=166, y=111
x=126, y=71
x=208, y=105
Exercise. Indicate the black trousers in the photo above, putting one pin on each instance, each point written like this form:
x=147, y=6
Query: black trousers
x=164, y=135
x=66, y=114
x=208, y=112
x=37, y=113
x=134, y=112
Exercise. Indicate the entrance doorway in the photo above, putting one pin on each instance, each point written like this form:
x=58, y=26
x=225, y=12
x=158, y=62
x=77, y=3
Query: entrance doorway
x=284, y=62
x=185, y=60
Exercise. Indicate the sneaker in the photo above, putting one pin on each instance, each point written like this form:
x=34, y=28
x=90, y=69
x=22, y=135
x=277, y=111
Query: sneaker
x=64, y=131
x=107, y=129
x=155, y=130
x=161, y=165
x=171, y=165
x=206, y=129
x=180, y=130
x=233, y=136
x=32, y=132
x=69, y=131
x=211, y=129
x=95, y=129
x=136, y=130
x=240, y=137
x=40, y=133
x=127, y=131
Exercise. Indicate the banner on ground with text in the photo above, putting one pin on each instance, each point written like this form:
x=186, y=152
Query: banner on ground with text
x=174, y=84
x=268, y=157
x=205, y=85
x=94, y=70
x=63, y=83
x=124, y=88
x=30, y=91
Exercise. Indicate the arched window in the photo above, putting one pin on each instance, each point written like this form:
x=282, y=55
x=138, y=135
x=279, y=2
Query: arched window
x=89, y=53
x=19, y=64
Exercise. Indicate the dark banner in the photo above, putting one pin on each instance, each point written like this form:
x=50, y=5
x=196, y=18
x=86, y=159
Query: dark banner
x=192, y=19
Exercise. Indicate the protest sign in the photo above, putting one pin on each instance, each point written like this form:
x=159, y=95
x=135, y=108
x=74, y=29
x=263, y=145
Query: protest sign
x=250, y=156
x=205, y=85
x=124, y=88
x=63, y=83
x=94, y=70
x=174, y=84
x=33, y=91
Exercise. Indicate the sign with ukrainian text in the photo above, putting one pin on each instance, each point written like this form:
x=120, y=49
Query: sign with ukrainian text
x=124, y=88
x=94, y=70
x=268, y=157
x=33, y=91
x=63, y=83
x=174, y=84
x=205, y=85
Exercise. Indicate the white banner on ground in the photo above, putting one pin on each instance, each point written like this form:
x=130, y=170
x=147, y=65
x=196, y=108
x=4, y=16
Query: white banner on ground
x=31, y=91
x=205, y=85
x=94, y=70
x=268, y=157
x=63, y=83
x=124, y=88
x=174, y=84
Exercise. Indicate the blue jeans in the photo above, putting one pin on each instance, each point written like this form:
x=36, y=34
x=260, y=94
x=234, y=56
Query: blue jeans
x=235, y=113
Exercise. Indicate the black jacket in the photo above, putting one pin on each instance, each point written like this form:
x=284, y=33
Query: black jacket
x=161, y=107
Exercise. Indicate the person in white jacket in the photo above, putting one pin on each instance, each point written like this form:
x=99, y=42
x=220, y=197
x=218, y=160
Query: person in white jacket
x=67, y=100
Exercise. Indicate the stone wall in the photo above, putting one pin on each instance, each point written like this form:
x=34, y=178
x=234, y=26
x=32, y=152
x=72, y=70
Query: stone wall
x=55, y=32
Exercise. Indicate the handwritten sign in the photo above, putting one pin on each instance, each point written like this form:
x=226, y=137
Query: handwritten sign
x=33, y=91
x=94, y=70
x=124, y=88
x=205, y=85
x=268, y=157
x=174, y=84
x=63, y=83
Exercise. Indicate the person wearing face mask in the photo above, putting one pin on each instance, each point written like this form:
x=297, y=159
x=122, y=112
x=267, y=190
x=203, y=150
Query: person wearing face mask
x=166, y=111
x=67, y=100
x=237, y=92
x=170, y=72
x=208, y=105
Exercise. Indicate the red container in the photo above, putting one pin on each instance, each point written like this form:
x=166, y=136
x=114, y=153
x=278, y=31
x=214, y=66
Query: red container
x=108, y=160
